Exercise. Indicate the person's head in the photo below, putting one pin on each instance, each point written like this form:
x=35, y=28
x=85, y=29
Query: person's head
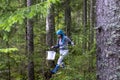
x=60, y=33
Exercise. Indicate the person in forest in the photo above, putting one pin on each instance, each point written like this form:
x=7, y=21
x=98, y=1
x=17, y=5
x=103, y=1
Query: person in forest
x=62, y=44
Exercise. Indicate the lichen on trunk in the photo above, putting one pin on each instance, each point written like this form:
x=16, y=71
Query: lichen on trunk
x=108, y=39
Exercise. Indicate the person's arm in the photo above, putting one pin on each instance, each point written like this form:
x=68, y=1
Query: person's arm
x=69, y=41
x=56, y=46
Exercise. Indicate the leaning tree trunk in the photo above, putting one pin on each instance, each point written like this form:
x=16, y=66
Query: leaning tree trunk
x=108, y=39
x=30, y=46
x=68, y=17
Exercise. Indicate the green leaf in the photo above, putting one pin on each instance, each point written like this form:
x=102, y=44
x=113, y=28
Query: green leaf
x=5, y=37
x=8, y=50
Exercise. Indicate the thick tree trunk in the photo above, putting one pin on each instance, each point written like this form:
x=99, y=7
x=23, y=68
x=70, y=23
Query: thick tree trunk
x=108, y=39
x=68, y=17
x=50, y=30
x=50, y=27
x=30, y=46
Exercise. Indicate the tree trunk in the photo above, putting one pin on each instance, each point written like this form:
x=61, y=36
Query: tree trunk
x=50, y=30
x=9, y=66
x=92, y=24
x=50, y=27
x=68, y=17
x=30, y=46
x=91, y=35
x=108, y=39
x=84, y=25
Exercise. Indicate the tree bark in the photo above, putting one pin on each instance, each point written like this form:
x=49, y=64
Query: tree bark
x=30, y=45
x=50, y=26
x=92, y=24
x=68, y=17
x=108, y=39
x=50, y=30
x=84, y=25
x=9, y=66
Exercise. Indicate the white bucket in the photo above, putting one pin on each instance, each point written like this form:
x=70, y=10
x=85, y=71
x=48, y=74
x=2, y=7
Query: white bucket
x=51, y=55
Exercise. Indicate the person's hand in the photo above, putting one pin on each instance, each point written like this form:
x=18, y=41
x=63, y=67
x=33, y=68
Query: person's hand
x=52, y=46
x=72, y=43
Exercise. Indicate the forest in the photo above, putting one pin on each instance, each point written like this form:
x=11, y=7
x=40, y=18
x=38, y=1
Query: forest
x=29, y=29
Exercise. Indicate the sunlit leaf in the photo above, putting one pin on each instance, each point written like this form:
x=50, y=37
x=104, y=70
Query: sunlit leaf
x=8, y=50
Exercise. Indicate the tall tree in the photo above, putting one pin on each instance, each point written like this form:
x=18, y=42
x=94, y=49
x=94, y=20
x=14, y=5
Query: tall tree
x=92, y=24
x=9, y=67
x=30, y=45
x=50, y=26
x=91, y=42
x=68, y=17
x=50, y=30
x=84, y=24
x=108, y=39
